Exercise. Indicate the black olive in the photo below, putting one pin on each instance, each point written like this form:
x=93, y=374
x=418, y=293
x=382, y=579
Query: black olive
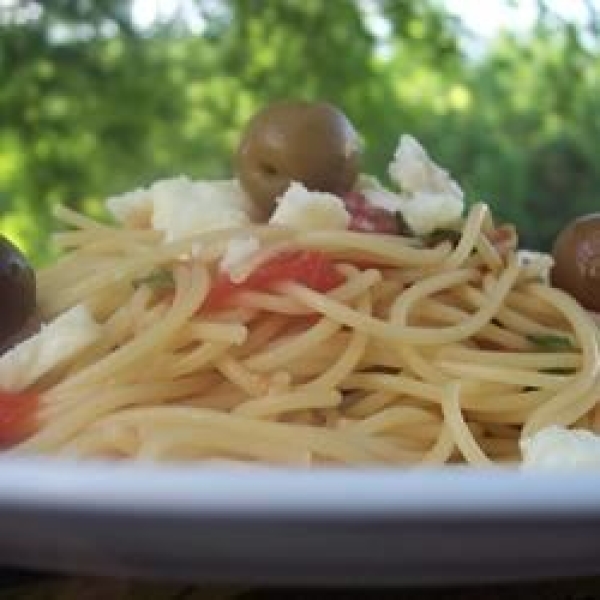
x=17, y=290
x=576, y=253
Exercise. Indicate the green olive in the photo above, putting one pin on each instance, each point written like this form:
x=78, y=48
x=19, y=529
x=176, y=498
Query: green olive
x=17, y=290
x=309, y=142
x=576, y=254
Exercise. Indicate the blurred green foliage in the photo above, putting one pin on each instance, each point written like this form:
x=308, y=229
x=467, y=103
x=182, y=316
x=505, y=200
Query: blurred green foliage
x=90, y=105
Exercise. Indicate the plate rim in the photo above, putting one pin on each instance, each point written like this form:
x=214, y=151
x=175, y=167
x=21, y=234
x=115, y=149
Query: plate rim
x=96, y=486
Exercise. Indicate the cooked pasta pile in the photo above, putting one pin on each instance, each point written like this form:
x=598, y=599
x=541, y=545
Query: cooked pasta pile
x=423, y=353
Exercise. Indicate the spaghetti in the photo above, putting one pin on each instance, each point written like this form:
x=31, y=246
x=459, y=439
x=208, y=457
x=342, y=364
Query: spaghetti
x=323, y=348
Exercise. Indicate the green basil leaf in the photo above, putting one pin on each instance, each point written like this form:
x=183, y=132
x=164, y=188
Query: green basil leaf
x=552, y=342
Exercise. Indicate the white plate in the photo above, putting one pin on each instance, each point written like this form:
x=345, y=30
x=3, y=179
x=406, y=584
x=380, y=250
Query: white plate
x=261, y=525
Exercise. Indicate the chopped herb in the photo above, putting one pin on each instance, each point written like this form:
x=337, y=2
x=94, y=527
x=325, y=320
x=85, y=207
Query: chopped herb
x=158, y=280
x=550, y=341
x=559, y=371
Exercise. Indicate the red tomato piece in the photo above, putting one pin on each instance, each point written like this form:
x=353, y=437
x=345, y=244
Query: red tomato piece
x=17, y=417
x=366, y=217
x=310, y=268
x=504, y=239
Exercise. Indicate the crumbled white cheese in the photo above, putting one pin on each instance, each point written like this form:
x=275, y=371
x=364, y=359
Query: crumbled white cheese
x=300, y=208
x=377, y=195
x=537, y=264
x=181, y=207
x=425, y=212
x=238, y=250
x=133, y=208
x=413, y=171
x=430, y=199
x=557, y=447
x=53, y=345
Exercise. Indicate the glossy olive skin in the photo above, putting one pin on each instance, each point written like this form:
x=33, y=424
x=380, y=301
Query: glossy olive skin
x=17, y=290
x=309, y=142
x=576, y=253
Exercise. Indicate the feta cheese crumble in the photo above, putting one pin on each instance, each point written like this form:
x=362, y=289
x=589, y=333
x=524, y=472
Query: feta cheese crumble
x=377, y=195
x=413, y=171
x=300, y=208
x=238, y=250
x=181, y=207
x=56, y=343
x=538, y=264
x=430, y=199
x=557, y=447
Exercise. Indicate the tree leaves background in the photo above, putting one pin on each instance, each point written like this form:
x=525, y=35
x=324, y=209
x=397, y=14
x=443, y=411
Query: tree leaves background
x=91, y=106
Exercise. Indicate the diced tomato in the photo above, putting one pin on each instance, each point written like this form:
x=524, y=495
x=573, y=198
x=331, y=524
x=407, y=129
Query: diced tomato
x=504, y=239
x=17, y=417
x=366, y=217
x=310, y=268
